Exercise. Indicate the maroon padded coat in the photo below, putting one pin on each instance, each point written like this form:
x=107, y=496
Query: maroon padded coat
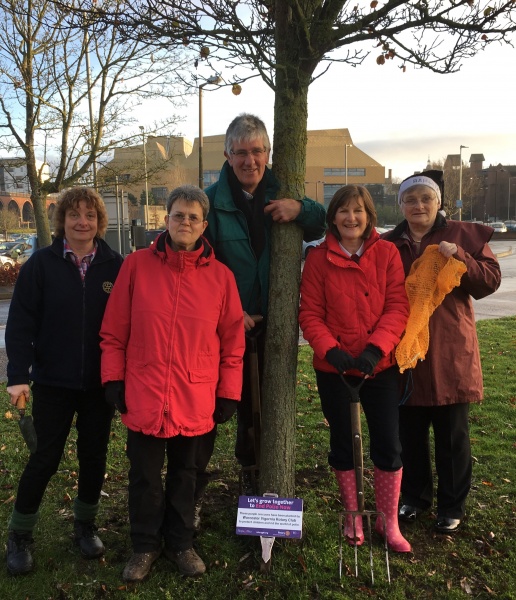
x=350, y=304
x=173, y=330
x=451, y=372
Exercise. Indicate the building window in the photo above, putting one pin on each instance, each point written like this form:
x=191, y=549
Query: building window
x=329, y=191
x=210, y=177
x=352, y=172
x=160, y=194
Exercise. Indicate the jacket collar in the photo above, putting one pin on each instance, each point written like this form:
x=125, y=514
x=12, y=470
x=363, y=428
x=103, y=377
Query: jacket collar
x=223, y=197
x=332, y=243
x=402, y=228
x=201, y=255
x=103, y=252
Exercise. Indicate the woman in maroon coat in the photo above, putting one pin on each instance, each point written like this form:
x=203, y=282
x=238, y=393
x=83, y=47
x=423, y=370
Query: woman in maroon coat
x=353, y=311
x=450, y=378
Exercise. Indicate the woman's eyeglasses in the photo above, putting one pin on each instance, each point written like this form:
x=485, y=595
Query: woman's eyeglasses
x=179, y=217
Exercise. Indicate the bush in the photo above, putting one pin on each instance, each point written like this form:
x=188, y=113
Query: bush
x=8, y=274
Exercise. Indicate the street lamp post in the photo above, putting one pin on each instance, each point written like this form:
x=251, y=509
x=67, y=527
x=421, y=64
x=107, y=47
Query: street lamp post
x=496, y=194
x=460, y=182
x=346, y=161
x=142, y=129
x=509, y=199
x=214, y=79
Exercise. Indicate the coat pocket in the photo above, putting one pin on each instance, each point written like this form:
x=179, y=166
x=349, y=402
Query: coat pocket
x=203, y=375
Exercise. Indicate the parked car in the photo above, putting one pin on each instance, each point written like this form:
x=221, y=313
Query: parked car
x=151, y=235
x=6, y=247
x=23, y=250
x=499, y=227
x=511, y=225
x=6, y=260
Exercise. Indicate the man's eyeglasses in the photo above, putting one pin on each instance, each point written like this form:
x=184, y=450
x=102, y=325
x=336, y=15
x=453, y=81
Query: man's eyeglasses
x=179, y=217
x=425, y=201
x=255, y=152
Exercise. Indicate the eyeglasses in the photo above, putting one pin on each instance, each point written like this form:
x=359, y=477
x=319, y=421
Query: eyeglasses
x=255, y=152
x=425, y=201
x=179, y=217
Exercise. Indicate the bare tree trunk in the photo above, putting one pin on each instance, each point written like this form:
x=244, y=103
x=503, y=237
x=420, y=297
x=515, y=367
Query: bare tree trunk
x=281, y=343
x=41, y=218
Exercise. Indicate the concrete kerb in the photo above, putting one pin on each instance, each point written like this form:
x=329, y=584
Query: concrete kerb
x=507, y=252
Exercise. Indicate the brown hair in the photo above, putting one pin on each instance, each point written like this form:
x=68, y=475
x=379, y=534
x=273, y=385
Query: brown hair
x=344, y=196
x=70, y=199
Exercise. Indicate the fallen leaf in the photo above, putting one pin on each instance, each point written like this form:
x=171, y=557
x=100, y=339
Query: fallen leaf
x=464, y=584
x=302, y=563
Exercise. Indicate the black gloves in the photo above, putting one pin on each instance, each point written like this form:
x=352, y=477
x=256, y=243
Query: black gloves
x=368, y=360
x=224, y=409
x=339, y=359
x=115, y=395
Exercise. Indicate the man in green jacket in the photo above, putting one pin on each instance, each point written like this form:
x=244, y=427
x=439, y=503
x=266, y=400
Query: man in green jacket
x=242, y=209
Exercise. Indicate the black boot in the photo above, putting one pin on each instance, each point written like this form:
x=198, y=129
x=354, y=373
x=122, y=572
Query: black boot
x=19, y=558
x=85, y=533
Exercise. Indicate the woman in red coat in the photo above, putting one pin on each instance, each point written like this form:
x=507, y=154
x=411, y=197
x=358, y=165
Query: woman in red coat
x=172, y=347
x=353, y=311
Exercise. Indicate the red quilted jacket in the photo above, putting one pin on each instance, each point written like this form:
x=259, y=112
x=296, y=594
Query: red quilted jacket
x=350, y=304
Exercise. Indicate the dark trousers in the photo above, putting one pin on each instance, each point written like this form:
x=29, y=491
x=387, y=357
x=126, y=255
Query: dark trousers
x=168, y=513
x=53, y=410
x=452, y=457
x=379, y=397
x=244, y=447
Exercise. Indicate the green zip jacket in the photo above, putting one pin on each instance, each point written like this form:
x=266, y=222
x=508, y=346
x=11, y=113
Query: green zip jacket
x=228, y=234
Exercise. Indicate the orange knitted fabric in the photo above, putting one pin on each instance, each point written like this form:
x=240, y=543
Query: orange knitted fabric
x=431, y=277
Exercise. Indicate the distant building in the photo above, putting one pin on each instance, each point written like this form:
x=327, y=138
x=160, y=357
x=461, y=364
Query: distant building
x=332, y=159
x=14, y=177
x=489, y=193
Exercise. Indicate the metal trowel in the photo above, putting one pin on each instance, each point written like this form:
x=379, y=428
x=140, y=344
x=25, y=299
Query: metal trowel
x=26, y=425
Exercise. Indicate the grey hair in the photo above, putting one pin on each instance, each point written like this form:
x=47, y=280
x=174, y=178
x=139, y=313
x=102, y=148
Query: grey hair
x=246, y=128
x=190, y=194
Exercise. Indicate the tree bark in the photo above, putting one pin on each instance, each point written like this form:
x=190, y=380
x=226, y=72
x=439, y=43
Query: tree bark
x=281, y=342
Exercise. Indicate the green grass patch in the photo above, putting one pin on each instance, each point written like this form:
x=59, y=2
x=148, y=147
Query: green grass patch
x=478, y=562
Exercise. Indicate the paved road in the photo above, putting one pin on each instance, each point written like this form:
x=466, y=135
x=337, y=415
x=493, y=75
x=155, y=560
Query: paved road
x=500, y=304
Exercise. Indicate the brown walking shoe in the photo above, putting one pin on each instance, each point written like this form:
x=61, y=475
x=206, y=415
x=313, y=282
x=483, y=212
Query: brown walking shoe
x=139, y=566
x=188, y=561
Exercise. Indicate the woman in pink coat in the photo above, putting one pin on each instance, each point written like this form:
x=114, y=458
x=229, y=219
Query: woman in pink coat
x=172, y=347
x=353, y=311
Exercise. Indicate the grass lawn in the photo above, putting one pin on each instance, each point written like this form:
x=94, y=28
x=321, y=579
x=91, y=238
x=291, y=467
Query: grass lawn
x=478, y=562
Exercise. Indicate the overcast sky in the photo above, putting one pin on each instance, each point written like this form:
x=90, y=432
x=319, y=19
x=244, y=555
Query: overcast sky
x=400, y=119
